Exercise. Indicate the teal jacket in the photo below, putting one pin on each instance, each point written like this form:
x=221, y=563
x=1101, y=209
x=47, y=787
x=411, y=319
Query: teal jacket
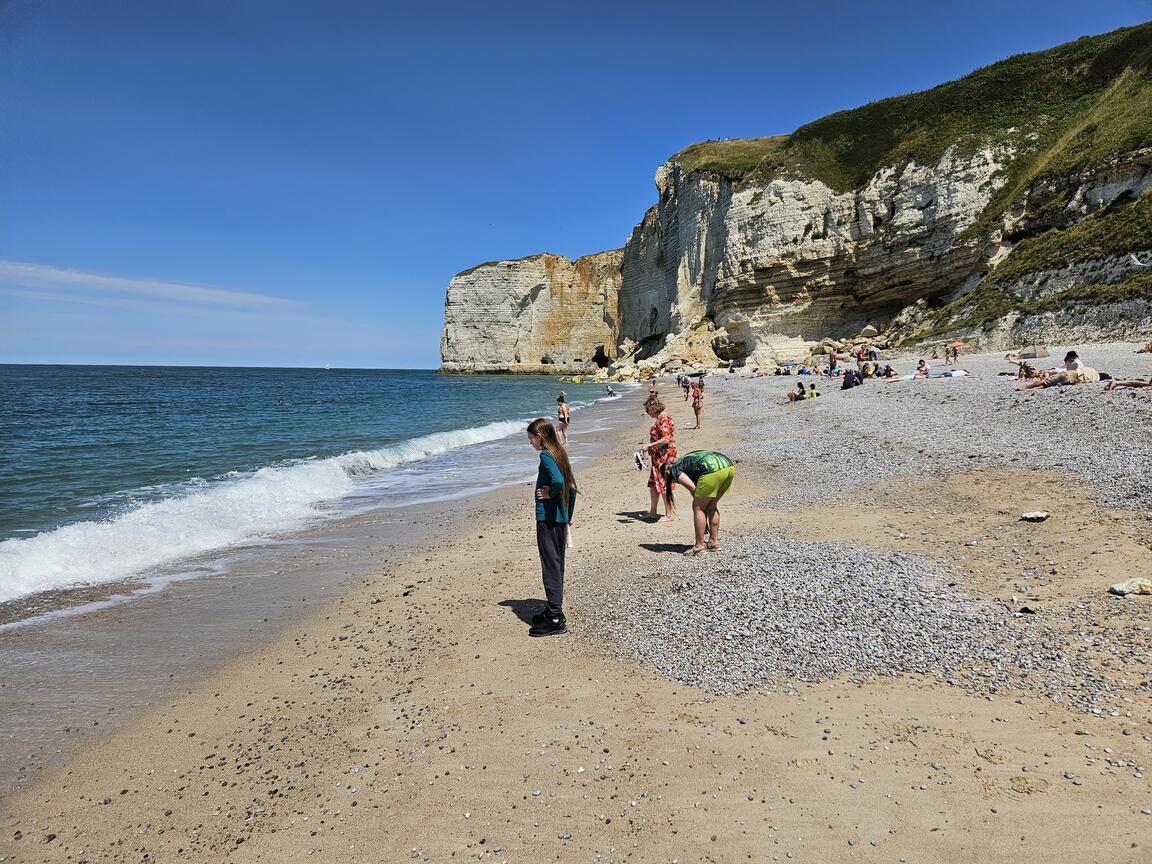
x=550, y=509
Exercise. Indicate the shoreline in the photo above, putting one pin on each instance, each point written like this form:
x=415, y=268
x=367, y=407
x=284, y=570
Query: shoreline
x=411, y=717
x=74, y=670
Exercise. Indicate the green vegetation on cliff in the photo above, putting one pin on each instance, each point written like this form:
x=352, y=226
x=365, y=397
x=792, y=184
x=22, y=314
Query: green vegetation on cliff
x=1114, y=231
x=1063, y=109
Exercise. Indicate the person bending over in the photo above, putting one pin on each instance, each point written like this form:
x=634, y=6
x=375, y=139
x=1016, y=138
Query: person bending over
x=707, y=474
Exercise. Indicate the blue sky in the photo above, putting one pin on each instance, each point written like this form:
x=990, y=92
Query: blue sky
x=294, y=183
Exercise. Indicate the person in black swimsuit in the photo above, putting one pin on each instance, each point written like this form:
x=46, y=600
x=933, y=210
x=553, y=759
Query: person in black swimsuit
x=563, y=418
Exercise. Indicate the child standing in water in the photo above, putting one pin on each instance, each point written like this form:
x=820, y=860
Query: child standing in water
x=555, y=501
x=563, y=418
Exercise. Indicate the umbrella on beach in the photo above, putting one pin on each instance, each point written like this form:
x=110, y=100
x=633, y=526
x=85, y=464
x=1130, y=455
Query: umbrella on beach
x=958, y=344
x=1032, y=352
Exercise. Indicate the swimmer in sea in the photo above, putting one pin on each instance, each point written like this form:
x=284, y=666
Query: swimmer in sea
x=563, y=418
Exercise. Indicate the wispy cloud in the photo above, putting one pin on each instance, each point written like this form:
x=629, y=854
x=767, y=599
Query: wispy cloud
x=79, y=286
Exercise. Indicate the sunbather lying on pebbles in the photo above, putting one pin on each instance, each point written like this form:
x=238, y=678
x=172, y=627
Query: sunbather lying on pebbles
x=1025, y=370
x=1075, y=372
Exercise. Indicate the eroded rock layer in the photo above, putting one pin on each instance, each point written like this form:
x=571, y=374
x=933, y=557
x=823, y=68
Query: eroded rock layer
x=781, y=265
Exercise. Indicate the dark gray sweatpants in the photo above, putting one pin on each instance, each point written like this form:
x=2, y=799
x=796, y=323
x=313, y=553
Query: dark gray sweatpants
x=551, y=538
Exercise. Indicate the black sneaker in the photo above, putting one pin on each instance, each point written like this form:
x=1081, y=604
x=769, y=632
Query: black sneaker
x=552, y=625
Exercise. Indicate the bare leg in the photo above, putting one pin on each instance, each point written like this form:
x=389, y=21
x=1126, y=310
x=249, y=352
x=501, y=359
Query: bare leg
x=655, y=498
x=1132, y=382
x=713, y=512
x=697, y=410
x=699, y=524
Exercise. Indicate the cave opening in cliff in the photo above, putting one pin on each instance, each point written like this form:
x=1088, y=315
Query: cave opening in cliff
x=600, y=358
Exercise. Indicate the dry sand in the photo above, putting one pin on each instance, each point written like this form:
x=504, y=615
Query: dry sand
x=413, y=718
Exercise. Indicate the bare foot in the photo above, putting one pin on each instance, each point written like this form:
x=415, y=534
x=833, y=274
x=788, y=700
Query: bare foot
x=712, y=547
x=664, y=518
x=694, y=551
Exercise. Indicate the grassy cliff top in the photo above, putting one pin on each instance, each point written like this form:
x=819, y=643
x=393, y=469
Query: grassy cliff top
x=1063, y=108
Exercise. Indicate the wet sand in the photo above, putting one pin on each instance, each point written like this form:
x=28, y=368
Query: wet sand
x=411, y=718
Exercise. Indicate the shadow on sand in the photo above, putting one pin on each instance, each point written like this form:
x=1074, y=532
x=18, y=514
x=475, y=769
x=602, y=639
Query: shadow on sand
x=680, y=548
x=627, y=516
x=524, y=609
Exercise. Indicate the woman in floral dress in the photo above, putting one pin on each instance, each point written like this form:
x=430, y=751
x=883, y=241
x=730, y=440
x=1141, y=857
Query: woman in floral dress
x=662, y=450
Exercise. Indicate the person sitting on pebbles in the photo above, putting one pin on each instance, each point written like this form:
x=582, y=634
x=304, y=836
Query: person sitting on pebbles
x=707, y=474
x=1075, y=372
x=797, y=394
x=922, y=369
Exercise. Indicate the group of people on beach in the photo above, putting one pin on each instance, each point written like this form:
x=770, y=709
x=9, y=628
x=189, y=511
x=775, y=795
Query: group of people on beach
x=693, y=388
x=951, y=354
x=706, y=474
x=1074, y=371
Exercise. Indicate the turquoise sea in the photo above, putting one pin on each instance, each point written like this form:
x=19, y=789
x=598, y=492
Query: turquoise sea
x=114, y=472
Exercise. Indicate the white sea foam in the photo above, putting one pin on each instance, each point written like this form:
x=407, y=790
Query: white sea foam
x=212, y=515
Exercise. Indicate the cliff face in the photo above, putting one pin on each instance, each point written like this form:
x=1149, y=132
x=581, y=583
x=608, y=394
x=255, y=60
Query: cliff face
x=780, y=265
x=542, y=314
x=970, y=209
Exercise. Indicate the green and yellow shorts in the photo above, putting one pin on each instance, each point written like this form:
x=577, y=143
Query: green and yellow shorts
x=715, y=484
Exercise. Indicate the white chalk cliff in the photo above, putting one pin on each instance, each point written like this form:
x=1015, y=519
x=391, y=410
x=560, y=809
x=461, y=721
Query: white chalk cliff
x=735, y=264
x=545, y=313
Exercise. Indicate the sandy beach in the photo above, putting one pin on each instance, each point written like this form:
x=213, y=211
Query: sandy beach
x=411, y=717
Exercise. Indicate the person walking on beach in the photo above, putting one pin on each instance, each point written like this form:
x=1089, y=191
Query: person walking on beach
x=707, y=474
x=661, y=449
x=563, y=418
x=555, y=503
x=686, y=383
x=697, y=401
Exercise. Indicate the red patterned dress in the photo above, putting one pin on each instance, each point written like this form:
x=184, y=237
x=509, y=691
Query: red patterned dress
x=662, y=428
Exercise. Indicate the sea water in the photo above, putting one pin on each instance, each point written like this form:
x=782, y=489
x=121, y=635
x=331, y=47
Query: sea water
x=112, y=473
